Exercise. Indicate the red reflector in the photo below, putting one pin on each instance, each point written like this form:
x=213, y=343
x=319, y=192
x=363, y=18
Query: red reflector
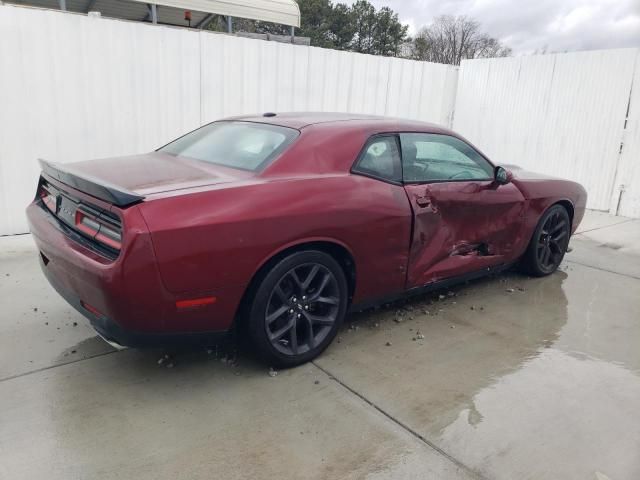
x=91, y=309
x=196, y=302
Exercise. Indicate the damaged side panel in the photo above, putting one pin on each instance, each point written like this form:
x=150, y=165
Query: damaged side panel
x=461, y=227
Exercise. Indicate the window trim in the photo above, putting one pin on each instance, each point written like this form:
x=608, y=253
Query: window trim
x=354, y=167
x=447, y=180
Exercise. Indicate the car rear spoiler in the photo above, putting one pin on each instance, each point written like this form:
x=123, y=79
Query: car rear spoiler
x=91, y=185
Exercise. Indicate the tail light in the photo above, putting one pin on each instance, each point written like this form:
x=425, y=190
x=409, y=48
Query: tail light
x=103, y=227
x=48, y=198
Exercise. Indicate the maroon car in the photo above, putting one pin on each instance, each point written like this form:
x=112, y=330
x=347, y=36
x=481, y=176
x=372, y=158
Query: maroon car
x=282, y=223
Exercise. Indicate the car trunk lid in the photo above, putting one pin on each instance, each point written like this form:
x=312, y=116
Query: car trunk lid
x=136, y=176
x=117, y=183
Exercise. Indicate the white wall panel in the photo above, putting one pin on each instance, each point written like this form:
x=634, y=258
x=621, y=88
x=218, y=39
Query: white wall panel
x=559, y=114
x=626, y=189
x=242, y=75
x=74, y=88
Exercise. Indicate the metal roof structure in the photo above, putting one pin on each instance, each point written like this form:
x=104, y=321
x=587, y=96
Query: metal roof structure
x=172, y=12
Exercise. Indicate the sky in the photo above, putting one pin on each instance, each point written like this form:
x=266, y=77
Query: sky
x=532, y=25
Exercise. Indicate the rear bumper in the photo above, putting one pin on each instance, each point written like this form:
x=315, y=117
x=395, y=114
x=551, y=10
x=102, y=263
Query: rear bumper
x=132, y=306
x=114, y=333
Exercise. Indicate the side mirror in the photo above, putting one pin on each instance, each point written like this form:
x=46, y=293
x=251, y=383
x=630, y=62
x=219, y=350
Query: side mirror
x=502, y=176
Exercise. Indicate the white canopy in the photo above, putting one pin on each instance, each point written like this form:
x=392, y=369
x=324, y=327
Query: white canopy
x=284, y=12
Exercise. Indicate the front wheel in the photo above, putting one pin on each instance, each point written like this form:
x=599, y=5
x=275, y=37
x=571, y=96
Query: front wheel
x=549, y=242
x=298, y=308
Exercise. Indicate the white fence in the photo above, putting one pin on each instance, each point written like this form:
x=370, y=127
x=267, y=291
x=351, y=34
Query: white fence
x=74, y=87
x=562, y=114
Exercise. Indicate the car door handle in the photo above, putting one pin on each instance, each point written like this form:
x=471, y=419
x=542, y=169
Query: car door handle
x=423, y=201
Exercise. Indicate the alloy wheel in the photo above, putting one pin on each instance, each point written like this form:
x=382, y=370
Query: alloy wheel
x=302, y=308
x=552, y=242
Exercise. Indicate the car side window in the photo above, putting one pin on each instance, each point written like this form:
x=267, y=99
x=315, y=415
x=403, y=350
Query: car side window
x=380, y=159
x=428, y=157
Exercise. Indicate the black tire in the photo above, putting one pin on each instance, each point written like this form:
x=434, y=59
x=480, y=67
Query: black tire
x=309, y=324
x=549, y=242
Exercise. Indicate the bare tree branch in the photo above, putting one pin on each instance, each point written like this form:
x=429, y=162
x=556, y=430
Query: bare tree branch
x=451, y=39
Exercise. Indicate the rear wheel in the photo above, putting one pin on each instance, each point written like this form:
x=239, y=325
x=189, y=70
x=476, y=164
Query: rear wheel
x=297, y=308
x=549, y=242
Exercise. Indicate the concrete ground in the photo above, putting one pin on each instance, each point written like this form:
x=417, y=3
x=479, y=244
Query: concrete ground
x=507, y=378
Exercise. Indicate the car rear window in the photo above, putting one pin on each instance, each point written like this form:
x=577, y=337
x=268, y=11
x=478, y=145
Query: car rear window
x=243, y=145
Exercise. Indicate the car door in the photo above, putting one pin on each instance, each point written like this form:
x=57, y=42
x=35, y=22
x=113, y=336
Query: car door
x=464, y=221
x=383, y=218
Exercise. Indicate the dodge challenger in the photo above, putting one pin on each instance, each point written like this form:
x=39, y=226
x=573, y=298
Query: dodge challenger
x=283, y=223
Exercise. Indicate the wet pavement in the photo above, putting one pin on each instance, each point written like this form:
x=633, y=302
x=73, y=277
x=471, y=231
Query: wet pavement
x=506, y=377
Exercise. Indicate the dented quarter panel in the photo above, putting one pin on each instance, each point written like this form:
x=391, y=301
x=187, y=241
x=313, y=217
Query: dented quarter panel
x=542, y=192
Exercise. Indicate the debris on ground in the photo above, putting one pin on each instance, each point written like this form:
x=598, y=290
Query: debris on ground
x=46, y=323
x=73, y=351
x=419, y=336
x=376, y=325
x=451, y=294
x=472, y=307
x=452, y=326
x=510, y=290
x=317, y=382
x=520, y=289
x=441, y=297
x=388, y=344
x=230, y=359
x=353, y=327
x=398, y=319
x=163, y=359
x=35, y=309
x=272, y=372
x=75, y=324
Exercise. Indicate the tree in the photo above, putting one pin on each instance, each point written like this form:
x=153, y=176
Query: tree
x=316, y=17
x=376, y=32
x=389, y=33
x=451, y=39
x=364, y=18
x=342, y=27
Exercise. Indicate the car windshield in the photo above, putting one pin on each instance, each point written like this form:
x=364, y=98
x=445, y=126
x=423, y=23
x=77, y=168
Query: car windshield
x=243, y=145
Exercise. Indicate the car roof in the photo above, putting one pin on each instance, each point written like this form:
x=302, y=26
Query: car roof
x=300, y=120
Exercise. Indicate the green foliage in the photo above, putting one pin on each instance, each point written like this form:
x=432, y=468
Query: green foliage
x=342, y=27
x=358, y=28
